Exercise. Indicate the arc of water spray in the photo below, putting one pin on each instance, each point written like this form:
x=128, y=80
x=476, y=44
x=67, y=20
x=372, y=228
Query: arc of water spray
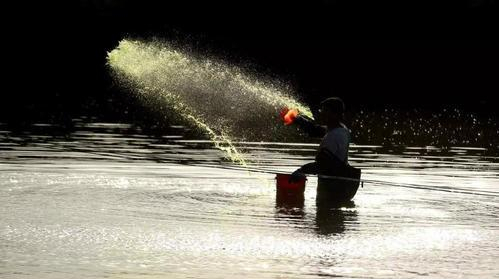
x=219, y=99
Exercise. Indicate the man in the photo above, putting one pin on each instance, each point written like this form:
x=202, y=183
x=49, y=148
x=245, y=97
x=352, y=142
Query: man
x=332, y=156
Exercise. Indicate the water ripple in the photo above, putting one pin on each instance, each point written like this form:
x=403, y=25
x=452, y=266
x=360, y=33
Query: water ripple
x=108, y=201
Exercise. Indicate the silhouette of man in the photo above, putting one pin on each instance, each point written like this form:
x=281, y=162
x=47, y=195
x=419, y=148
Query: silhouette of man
x=332, y=155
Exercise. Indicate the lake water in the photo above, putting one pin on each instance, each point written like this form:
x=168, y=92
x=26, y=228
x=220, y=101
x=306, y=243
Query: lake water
x=107, y=201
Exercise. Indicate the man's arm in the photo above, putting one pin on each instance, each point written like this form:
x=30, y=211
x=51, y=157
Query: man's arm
x=310, y=168
x=325, y=163
x=308, y=125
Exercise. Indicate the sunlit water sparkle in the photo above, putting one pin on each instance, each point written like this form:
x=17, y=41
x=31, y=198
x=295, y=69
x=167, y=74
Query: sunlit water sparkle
x=108, y=201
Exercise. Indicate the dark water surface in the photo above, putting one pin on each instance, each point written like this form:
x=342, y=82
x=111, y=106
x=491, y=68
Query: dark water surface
x=109, y=201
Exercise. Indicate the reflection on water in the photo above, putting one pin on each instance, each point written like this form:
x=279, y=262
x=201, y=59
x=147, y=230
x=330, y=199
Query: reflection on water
x=290, y=209
x=290, y=204
x=331, y=217
x=107, y=200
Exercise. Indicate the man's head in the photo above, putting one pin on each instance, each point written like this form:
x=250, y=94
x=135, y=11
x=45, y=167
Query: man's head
x=331, y=111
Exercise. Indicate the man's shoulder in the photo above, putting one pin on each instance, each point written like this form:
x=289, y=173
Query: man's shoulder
x=339, y=131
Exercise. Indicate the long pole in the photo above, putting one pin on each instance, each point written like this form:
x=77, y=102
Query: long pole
x=449, y=189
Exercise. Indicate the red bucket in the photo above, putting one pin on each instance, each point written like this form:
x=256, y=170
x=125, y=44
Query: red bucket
x=284, y=186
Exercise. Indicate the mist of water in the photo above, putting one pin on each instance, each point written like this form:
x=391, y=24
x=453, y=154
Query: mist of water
x=223, y=101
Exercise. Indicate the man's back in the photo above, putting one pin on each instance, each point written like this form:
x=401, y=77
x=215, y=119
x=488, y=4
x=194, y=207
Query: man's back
x=336, y=142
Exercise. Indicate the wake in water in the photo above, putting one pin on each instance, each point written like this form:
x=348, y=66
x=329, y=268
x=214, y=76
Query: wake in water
x=221, y=100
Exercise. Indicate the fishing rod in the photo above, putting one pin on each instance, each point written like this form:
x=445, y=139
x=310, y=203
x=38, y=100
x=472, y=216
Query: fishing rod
x=281, y=172
x=449, y=189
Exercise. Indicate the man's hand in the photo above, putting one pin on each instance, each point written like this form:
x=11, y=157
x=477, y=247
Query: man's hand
x=296, y=176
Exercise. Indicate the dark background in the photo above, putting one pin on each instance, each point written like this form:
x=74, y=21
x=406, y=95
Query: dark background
x=374, y=54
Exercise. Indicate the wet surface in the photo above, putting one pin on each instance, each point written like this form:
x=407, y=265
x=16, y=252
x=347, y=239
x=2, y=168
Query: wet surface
x=109, y=201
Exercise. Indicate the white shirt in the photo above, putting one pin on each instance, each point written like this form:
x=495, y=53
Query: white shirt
x=337, y=141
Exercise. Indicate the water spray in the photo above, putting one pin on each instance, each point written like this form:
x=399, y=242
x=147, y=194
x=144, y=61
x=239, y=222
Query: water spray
x=223, y=101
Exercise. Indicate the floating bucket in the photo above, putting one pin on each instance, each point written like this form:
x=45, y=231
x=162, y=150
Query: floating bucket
x=285, y=187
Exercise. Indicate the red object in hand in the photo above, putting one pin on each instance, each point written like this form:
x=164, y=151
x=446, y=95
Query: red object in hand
x=283, y=112
x=288, y=115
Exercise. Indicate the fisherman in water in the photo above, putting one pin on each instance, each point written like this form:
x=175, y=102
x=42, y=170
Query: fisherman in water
x=332, y=156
